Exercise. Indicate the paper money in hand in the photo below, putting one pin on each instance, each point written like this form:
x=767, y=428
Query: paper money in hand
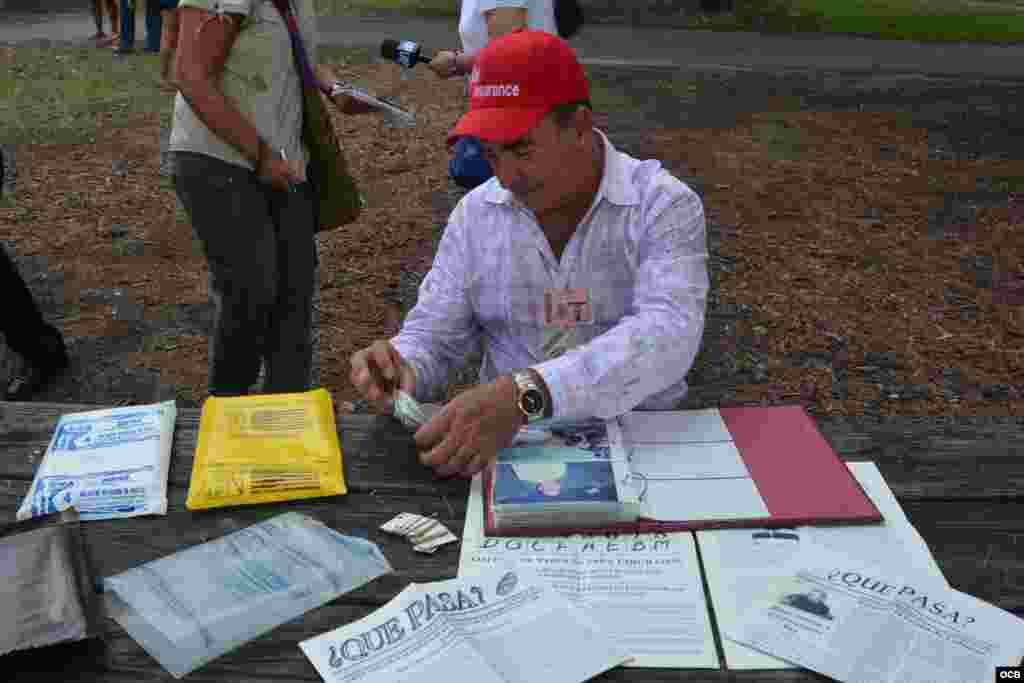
x=411, y=412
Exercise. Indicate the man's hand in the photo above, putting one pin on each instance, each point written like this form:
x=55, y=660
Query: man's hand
x=443, y=64
x=377, y=370
x=465, y=436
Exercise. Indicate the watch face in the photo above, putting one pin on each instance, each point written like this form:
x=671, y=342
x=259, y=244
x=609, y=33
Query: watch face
x=532, y=401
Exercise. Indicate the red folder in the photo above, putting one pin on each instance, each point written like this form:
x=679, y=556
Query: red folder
x=800, y=478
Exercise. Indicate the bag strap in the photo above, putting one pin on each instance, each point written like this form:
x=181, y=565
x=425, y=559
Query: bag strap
x=309, y=79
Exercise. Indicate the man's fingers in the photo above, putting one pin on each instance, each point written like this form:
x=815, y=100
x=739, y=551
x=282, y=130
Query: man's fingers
x=478, y=463
x=408, y=382
x=428, y=436
x=463, y=456
x=441, y=454
x=382, y=359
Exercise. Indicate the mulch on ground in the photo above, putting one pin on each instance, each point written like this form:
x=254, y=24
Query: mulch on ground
x=831, y=229
x=833, y=225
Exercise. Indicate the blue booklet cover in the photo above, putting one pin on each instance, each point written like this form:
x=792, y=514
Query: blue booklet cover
x=559, y=462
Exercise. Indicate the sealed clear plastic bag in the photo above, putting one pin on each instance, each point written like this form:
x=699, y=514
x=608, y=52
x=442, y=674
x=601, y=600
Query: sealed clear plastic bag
x=193, y=606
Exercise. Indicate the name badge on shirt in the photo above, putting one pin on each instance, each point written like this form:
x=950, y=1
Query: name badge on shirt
x=564, y=310
x=567, y=308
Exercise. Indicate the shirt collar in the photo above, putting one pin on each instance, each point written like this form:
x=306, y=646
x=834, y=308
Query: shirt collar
x=615, y=180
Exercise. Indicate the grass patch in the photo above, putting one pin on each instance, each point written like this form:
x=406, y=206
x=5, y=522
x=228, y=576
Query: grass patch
x=1012, y=184
x=781, y=139
x=52, y=95
x=606, y=94
x=924, y=20
x=423, y=8
x=678, y=87
x=23, y=214
x=159, y=342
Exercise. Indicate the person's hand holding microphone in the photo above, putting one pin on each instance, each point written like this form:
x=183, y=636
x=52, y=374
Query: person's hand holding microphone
x=407, y=53
x=445, y=64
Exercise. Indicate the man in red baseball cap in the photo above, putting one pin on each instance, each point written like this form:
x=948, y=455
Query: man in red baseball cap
x=582, y=270
x=529, y=106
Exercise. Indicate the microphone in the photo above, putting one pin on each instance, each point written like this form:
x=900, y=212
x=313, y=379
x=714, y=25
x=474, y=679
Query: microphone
x=405, y=53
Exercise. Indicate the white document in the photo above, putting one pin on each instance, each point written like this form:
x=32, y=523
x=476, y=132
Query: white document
x=675, y=426
x=494, y=627
x=698, y=499
x=684, y=465
x=856, y=622
x=719, y=460
x=643, y=589
x=738, y=562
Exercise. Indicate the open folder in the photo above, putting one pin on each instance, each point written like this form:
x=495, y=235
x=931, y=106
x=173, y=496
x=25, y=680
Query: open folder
x=672, y=471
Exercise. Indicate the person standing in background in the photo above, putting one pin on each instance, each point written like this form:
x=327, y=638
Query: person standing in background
x=127, y=42
x=39, y=344
x=240, y=170
x=480, y=22
x=153, y=21
x=168, y=42
x=111, y=5
x=97, y=15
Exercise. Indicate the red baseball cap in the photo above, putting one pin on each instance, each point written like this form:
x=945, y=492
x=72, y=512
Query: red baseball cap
x=516, y=80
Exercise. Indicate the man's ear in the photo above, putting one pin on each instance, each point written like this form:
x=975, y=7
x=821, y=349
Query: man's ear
x=584, y=122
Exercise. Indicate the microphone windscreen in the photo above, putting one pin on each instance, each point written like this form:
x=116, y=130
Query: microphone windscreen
x=389, y=49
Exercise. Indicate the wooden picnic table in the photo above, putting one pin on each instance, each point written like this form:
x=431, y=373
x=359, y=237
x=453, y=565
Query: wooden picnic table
x=958, y=479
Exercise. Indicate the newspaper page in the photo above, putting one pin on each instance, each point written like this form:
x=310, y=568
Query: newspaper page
x=859, y=623
x=737, y=562
x=644, y=589
x=500, y=626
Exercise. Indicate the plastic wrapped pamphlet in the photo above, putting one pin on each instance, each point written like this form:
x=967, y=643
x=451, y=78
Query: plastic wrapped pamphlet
x=193, y=606
x=266, y=449
x=106, y=463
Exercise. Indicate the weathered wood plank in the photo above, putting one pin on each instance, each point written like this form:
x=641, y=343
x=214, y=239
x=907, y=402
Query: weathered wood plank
x=936, y=457
x=979, y=546
x=923, y=458
x=121, y=544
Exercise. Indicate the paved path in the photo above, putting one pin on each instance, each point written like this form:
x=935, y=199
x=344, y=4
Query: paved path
x=637, y=46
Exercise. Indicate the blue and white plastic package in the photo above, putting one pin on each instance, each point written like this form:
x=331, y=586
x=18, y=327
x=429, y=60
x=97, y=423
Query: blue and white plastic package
x=105, y=463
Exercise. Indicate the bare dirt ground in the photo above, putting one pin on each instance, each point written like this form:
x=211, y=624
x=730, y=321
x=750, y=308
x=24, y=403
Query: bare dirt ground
x=865, y=232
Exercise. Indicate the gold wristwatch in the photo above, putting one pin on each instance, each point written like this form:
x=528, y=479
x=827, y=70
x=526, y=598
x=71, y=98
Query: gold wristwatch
x=529, y=396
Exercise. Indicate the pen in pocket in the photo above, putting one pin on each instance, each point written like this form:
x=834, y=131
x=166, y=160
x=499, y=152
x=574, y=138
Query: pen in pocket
x=291, y=188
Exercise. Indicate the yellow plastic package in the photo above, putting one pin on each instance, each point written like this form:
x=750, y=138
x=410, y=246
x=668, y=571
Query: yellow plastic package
x=265, y=449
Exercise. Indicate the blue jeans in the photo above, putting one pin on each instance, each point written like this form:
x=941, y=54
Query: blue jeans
x=260, y=247
x=153, y=25
x=127, y=25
